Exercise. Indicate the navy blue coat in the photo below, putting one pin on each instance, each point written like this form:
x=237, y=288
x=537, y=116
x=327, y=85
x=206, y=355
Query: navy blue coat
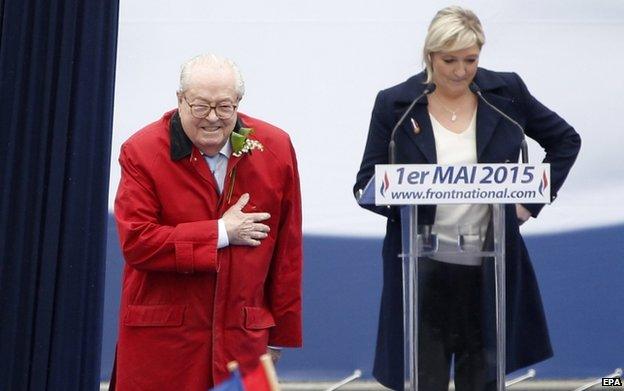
x=498, y=141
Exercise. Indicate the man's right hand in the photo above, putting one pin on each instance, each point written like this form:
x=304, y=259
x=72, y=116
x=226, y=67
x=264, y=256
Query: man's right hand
x=244, y=229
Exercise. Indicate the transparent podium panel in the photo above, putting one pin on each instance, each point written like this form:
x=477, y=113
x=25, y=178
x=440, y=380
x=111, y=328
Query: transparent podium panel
x=454, y=299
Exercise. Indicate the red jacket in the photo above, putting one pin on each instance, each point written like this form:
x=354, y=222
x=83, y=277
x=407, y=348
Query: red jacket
x=187, y=308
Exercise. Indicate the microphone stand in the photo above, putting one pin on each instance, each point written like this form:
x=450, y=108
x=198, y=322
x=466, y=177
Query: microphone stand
x=524, y=150
x=617, y=373
x=356, y=374
x=529, y=375
x=429, y=88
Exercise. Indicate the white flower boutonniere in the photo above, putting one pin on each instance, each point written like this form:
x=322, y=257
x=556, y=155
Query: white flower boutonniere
x=241, y=143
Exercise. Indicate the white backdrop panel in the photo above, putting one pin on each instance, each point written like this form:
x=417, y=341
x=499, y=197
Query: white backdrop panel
x=314, y=68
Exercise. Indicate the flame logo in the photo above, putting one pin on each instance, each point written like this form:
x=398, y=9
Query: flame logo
x=543, y=183
x=385, y=185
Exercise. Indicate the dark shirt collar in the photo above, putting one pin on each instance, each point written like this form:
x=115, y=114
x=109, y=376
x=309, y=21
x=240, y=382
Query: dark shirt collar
x=181, y=145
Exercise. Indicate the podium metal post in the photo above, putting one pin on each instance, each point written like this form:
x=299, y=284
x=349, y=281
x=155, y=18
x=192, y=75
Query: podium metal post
x=498, y=216
x=409, y=258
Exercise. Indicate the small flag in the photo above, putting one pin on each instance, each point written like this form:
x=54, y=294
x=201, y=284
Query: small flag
x=234, y=383
x=261, y=378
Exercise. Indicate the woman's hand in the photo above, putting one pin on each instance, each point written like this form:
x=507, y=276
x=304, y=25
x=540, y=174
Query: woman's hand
x=522, y=214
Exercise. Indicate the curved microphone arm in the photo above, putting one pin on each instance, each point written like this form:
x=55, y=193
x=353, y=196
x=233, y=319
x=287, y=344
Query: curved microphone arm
x=429, y=88
x=524, y=149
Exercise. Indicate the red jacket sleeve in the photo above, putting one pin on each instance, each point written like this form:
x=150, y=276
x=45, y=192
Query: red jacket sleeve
x=284, y=284
x=146, y=243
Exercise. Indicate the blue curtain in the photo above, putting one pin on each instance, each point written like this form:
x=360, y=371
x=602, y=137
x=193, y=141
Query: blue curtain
x=57, y=68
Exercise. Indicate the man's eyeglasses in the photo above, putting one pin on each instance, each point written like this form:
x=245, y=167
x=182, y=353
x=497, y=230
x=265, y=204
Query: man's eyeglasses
x=222, y=110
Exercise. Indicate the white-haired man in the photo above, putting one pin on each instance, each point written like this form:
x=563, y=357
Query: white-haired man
x=209, y=217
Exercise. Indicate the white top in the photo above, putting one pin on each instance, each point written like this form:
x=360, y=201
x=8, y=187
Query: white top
x=470, y=219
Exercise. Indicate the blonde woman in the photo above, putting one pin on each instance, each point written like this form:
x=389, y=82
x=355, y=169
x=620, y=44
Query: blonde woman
x=451, y=126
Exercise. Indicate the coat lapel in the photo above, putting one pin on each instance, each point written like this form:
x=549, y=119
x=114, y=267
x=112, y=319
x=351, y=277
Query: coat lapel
x=423, y=139
x=231, y=172
x=487, y=118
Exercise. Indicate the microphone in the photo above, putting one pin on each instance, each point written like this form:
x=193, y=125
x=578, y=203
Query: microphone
x=523, y=145
x=429, y=88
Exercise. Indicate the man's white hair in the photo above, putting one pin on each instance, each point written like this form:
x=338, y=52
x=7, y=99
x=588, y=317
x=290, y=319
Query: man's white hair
x=212, y=62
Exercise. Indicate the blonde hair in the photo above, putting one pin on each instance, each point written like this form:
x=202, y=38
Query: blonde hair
x=452, y=28
x=211, y=61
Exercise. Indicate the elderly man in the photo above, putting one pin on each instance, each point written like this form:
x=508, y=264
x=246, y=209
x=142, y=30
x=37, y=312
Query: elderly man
x=209, y=217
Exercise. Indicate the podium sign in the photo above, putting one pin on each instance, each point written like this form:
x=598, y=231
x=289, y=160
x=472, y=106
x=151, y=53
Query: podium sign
x=426, y=184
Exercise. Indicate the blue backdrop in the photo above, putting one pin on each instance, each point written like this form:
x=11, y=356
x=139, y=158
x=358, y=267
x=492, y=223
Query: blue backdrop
x=579, y=273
